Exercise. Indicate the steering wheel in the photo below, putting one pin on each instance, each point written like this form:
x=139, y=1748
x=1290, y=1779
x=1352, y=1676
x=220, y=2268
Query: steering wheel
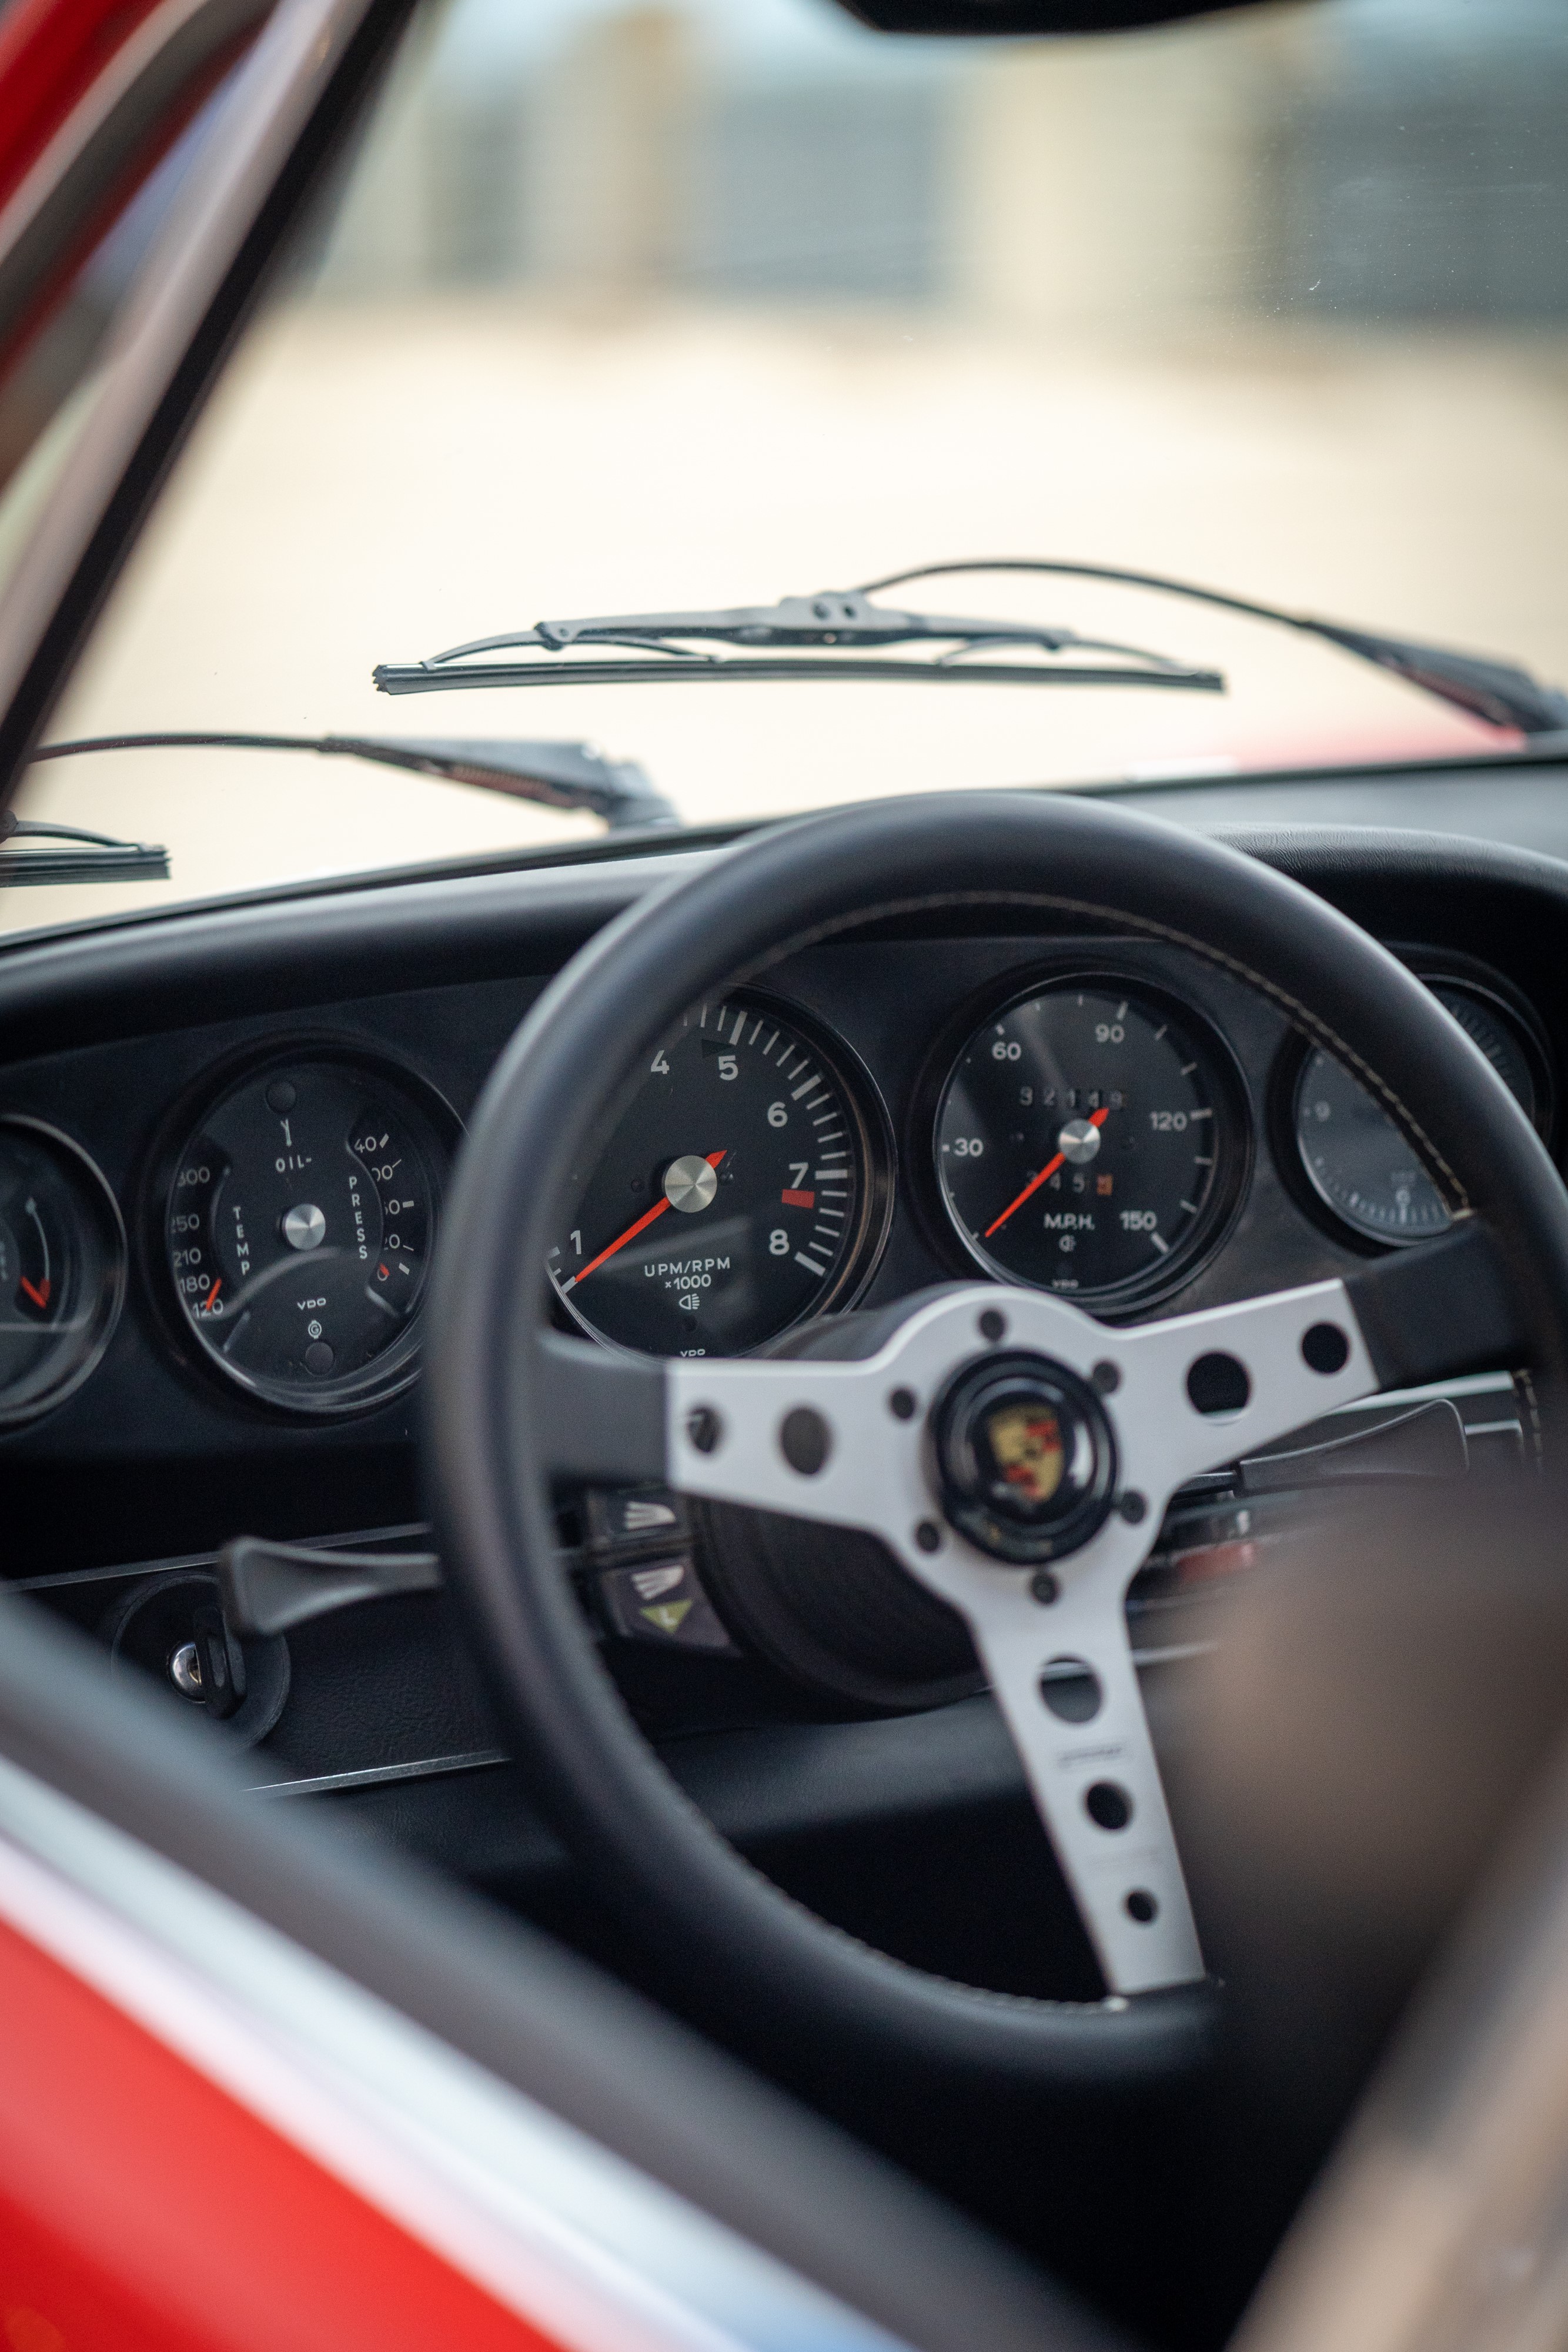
x=903, y=1424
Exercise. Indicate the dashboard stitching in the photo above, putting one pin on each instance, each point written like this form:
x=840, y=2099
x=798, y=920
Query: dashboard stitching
x=1313, y=1022
x=971, y=1995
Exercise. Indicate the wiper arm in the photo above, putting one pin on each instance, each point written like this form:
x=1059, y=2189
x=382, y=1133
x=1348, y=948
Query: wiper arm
x=1501, y=694
x=87, y=856
x=556, y=775
x=819, y=636
x=832, y=619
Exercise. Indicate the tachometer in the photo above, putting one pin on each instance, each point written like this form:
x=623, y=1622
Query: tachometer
x=62, y=1267
x=1086, y=1141
x=744, y=1187
x=298, y=1227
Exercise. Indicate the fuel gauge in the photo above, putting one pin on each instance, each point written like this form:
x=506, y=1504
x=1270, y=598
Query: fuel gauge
x=62, y=1267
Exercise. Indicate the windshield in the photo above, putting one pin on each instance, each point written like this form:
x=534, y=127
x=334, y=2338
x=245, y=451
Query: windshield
x=625, y=309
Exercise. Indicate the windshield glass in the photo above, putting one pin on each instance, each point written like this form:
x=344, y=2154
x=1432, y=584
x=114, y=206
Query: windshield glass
x=630, y=309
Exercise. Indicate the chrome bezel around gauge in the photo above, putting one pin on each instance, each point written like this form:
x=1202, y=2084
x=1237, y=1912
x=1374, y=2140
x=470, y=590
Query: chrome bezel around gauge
x=1446, y=974
x=437, y=1129
x=873, y=1145
x=80, y=1359
x=1232, y=1126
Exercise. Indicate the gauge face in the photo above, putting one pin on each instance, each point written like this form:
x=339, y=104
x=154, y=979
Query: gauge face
x=297, y=1229
x=62, y=1268
x=1486, y=1024
x=1356, y=1159
x=1083, y=1143
x=736, y=1195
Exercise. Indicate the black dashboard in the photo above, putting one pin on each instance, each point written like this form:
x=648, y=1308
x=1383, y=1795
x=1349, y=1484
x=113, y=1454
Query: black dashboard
x=228, y=1128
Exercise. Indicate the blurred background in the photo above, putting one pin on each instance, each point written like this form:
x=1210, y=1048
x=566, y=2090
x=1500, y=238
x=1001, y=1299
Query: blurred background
x=708, y=301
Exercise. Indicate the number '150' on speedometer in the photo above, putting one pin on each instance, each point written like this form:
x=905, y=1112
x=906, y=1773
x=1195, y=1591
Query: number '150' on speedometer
x=1090, y=1140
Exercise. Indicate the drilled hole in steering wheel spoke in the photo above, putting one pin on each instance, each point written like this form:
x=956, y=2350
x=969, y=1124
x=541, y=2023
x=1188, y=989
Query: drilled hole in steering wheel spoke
x=1218, y=1383
x=1072, y=1690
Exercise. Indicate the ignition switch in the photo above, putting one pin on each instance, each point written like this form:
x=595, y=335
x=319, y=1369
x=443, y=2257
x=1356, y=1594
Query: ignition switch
x=210, y=1669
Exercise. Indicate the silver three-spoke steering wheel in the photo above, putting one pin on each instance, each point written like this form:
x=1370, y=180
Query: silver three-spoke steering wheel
x=1015, y=1458
x=1011, y=1454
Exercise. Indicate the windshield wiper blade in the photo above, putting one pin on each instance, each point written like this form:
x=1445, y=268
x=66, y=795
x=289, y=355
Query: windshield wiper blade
x=85, y=858
x=556, y=775
x=1499, y=693
x=821, y=637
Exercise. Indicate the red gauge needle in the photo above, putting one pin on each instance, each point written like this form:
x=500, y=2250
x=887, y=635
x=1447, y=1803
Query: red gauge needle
x=1096, y=1118
x=39, y=1292
x=630, y=1234
x=207, y=1301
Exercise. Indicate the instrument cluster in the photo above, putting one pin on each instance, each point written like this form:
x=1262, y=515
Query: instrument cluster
x=1086, y=1131
x=1077, y=1127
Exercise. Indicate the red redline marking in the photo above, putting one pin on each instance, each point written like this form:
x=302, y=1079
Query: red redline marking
x=629, y=1235
x=799, y=1200
x=1096, y=1118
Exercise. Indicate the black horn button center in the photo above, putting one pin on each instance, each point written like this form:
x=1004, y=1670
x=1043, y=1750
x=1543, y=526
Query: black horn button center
x=1026, y=1457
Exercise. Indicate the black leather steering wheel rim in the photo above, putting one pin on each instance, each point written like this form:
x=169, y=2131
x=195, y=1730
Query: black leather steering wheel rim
x=748, y=1955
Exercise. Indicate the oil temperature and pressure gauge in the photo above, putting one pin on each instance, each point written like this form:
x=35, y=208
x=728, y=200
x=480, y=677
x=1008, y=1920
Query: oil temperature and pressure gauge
x=744, y=1188
x=62, y=1268
x=298, y=1227
x=1089, y=1140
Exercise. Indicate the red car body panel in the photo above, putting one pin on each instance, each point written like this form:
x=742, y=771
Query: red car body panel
x=143, y=2209
x=145, y=2206
x=52, y=52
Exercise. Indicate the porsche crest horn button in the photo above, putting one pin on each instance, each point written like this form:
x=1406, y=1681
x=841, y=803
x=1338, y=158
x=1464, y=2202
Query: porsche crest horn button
x=1026, y=1455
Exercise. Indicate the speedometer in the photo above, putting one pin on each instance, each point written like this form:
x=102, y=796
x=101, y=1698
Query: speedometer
x=1089, y=1140
x=744, y=1187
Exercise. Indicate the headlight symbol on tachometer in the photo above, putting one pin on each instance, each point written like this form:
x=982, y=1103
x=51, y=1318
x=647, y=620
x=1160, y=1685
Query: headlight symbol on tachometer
x=732, y=1199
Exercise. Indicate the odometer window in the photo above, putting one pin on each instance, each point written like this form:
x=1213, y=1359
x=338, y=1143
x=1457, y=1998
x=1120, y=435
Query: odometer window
x=1084, y=1142
x=738, y=1192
